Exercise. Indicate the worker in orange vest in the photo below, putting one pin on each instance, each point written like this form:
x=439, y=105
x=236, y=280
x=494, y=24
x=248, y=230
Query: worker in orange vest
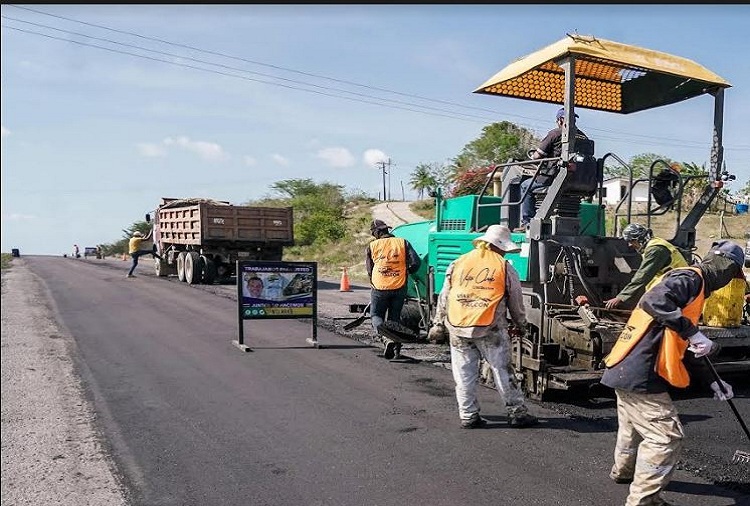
x=480, y=287
x=389, y=261
x=649, y=357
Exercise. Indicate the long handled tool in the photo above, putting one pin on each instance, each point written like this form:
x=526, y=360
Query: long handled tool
x=360, y=320
x=739, y=456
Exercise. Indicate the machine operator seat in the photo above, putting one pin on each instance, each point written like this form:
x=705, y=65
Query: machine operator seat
x=582, y=183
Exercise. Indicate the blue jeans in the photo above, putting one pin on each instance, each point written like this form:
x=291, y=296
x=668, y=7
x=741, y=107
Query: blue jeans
x=138, y=254
x=390, y=301
x=528, y=209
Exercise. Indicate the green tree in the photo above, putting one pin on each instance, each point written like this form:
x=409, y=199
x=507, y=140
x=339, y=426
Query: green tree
x=498, y=143
x=318, y=209
x=422, y=180
x=429, y=176
x=640, y=164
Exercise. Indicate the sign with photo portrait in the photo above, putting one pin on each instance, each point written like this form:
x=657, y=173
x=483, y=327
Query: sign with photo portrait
x=276, y=289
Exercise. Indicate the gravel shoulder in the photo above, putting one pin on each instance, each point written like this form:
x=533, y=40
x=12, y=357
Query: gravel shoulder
x=51, y=451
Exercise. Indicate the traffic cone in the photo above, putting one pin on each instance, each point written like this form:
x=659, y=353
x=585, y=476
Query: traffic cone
x=345, y=287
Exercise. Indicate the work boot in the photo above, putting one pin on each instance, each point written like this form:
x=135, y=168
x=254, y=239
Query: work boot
x=621, y=480
x=397, y=351
x=475, y=422
x=522, y=420
x=390, y=350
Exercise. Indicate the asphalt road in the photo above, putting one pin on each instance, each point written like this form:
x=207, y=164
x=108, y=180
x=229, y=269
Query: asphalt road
x=191, y=420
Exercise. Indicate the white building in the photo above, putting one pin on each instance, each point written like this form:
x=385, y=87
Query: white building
x=614, y=188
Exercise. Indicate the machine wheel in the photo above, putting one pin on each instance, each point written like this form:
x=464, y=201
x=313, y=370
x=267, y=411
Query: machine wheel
x=410, y=316
x=209, y=270
x=181, y=265
x=193, y=268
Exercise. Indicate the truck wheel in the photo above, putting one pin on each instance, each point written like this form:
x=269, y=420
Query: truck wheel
x=193, y=268
x=181, y=266
x=209, y=270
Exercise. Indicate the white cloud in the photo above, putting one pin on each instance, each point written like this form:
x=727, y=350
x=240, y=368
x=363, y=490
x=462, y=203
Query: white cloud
x=207, y=150
x=150, y=150
x=336, y=157
x=372, y=156
x=5, y=131
x=18, y=217
x=250, y=161
x=280, y=159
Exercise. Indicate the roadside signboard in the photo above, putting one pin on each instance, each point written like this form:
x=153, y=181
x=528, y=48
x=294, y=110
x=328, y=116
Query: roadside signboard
x=276, y=290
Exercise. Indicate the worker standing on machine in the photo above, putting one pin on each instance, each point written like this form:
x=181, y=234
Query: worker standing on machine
x=649, y=357
x=659, y=256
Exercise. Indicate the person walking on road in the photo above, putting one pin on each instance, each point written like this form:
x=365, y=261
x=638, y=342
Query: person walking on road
x=659, y=256
x=134, y=248
x=649, y=357
x=389, y=261
x=479, y=288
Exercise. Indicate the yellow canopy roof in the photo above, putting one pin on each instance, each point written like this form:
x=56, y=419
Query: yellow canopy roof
x=609, y=76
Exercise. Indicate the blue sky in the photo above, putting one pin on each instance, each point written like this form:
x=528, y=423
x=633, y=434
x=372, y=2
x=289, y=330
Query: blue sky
x=93, y=138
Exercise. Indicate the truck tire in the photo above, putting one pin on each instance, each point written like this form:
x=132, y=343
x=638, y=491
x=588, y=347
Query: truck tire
x=209, y=270
x=181, y=266
x=193, y=268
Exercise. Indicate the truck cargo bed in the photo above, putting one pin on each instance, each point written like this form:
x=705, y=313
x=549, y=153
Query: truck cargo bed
x=210, y=222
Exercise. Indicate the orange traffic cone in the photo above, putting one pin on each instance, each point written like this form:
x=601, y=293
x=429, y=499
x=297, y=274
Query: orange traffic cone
x=345, y=287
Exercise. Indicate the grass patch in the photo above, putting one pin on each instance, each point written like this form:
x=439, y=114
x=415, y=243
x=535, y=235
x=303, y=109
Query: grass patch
x=424, y=208
x=5, y=260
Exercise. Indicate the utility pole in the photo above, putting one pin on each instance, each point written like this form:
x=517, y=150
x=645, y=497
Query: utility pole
x=382, y=167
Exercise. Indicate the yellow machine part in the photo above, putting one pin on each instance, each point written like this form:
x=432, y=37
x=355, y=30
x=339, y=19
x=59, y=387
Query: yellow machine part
x=724, y=307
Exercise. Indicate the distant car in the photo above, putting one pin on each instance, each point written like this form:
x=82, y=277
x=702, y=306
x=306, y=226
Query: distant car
x=89, y=251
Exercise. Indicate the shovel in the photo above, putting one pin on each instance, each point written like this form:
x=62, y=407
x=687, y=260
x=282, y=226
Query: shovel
x=358, y=321
x=739, y=455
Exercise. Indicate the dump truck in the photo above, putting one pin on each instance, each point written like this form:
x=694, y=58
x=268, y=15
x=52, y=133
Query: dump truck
x=200, y=240
x=572, y=256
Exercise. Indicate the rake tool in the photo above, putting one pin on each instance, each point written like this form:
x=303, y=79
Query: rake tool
x=739, y=455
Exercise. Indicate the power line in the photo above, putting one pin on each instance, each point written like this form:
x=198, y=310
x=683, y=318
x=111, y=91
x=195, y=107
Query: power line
x=450, y=114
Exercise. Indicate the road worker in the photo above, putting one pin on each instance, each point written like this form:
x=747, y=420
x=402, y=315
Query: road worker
x=480, y=287
x=649, y=357
x=389, y=261
x=659, y=256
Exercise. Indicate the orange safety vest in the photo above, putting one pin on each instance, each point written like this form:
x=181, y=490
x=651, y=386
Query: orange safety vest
x=389, y=263
x=672, y=348
x=477, y=286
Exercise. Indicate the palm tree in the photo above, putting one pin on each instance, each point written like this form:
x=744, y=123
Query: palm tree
x=422, y=179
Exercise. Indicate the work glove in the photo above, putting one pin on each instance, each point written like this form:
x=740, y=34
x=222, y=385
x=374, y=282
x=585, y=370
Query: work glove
x=700, y=344
x=438, y=334
x=718, y=394
x=612, y=303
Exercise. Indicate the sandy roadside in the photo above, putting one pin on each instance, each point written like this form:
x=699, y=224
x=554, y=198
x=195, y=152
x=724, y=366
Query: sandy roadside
x=51, y=452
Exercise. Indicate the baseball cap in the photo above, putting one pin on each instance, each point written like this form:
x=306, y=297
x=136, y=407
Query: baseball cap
x=561, y=113
x=379, y=225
